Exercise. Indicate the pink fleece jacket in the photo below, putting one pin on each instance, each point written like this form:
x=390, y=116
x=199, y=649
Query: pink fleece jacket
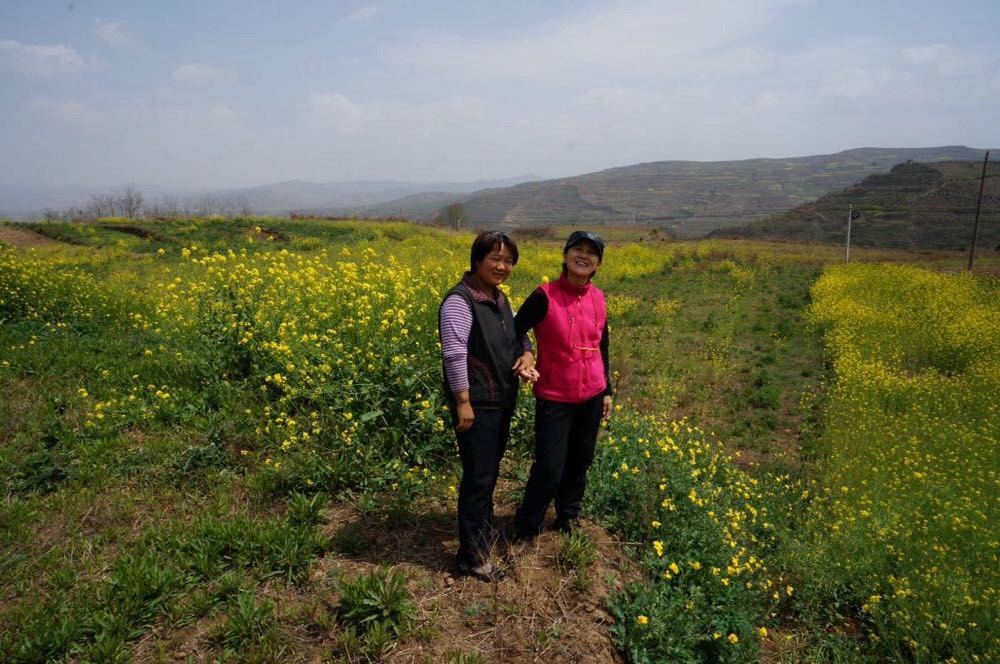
x=569, y=339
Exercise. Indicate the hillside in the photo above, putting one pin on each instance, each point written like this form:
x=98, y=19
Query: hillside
x=913, y=206
x=689, y=198
x=415, y=206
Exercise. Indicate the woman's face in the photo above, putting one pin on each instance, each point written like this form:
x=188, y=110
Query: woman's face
x=582, y=259
x=496, y=266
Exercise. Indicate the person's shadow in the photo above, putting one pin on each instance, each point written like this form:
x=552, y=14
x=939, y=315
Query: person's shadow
x=427, y=539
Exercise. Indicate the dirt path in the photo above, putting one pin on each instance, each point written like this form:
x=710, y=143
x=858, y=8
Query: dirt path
x=22, y=237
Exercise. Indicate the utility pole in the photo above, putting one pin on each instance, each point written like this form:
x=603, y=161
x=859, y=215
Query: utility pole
x=850, y=216
x=979, y=204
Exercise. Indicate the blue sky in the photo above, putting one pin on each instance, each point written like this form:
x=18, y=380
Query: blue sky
x=218, y=94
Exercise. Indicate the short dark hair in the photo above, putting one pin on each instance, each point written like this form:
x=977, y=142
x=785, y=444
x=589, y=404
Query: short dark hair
x=486, y=242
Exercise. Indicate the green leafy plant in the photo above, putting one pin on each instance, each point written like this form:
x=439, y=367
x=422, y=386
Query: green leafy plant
x=247, y=624
x=379, y=597
x=576, y=551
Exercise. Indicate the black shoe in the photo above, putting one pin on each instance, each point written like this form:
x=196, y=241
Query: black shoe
x=567, y=526
x=494, y=575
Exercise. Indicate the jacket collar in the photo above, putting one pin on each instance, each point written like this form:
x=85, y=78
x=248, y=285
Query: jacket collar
x=478, y=295
x=565, y=285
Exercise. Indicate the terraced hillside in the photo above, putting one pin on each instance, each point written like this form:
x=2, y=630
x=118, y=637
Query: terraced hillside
x=689, y=198
x=913, y=206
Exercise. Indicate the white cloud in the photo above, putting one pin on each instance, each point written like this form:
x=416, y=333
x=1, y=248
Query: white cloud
x=335, y=111
x=364, y=13
x=112, y=34
x=42, y=59
x=630, y=40
x=197, y=73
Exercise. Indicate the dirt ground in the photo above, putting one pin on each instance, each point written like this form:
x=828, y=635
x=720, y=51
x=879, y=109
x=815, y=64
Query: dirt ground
x=19, y=237
x=537, y=614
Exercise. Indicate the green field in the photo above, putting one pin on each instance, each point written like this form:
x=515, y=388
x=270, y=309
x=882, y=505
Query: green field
x=224, y=439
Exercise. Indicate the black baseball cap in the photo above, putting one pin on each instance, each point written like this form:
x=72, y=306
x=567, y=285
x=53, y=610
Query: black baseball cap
x=578, y=236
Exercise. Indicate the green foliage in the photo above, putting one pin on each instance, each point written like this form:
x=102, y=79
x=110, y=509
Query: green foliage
x=704, y=528
x=305, y=510
x=143, y=583
x=248, y=623
x=378, y=599
x=461, y=657
x=577, y=551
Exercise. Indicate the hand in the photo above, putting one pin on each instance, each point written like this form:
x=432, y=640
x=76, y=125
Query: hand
x=524, y=367
x=606, y=408
x=466, y=417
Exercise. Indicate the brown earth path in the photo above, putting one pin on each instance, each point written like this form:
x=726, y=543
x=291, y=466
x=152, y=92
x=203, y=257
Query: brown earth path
x=21, y=237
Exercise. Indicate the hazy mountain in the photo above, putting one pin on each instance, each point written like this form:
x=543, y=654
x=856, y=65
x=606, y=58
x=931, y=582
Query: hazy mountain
x=688, y=197
x=913, y=206
x=277, y=198
x=423, y=206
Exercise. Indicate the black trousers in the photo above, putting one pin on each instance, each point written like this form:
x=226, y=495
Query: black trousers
x=565, y=437
x=481, y=448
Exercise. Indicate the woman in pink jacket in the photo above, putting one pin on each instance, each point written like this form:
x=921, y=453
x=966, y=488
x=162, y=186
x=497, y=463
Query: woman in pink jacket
x=573, y=390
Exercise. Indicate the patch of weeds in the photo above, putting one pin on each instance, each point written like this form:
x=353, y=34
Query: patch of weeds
x=15, y=515
x=576, y=551
x=350, y=539
x=766, y=393
x=785, y=328
x=247, y=624
x=427, y=632
x=549, y=634
x=379, y=598
x=379, y=639
x=306, y=510
x=40, y=472
x=460, y=657
x=473, y=609
x=200, y=459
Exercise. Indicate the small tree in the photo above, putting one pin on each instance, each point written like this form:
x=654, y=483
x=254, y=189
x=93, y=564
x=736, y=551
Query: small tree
x=129, y=202
x=101, y=205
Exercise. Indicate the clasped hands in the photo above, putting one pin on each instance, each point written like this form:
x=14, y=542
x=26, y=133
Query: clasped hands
x=524, y=367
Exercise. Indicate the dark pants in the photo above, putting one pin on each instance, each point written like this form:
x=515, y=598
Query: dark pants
x=565, y=436
x=481, y=448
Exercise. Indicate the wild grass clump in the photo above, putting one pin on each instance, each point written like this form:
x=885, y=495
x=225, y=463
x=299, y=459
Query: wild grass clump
x=376, y=608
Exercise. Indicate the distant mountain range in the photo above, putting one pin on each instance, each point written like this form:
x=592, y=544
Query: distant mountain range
x=913, y=206
x=687, y=198
x=278, y=198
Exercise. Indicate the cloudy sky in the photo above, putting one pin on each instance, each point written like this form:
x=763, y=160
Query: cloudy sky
x=238, y=93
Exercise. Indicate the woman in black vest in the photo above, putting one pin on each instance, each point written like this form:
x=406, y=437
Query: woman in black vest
x=483, y=358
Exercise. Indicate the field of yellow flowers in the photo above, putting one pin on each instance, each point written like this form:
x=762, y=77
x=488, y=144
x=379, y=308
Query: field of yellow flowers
x=905, y=533
x=267, y=362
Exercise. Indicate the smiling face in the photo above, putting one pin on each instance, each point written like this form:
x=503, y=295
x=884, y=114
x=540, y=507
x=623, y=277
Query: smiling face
x=582, y=259
x=495, y=267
